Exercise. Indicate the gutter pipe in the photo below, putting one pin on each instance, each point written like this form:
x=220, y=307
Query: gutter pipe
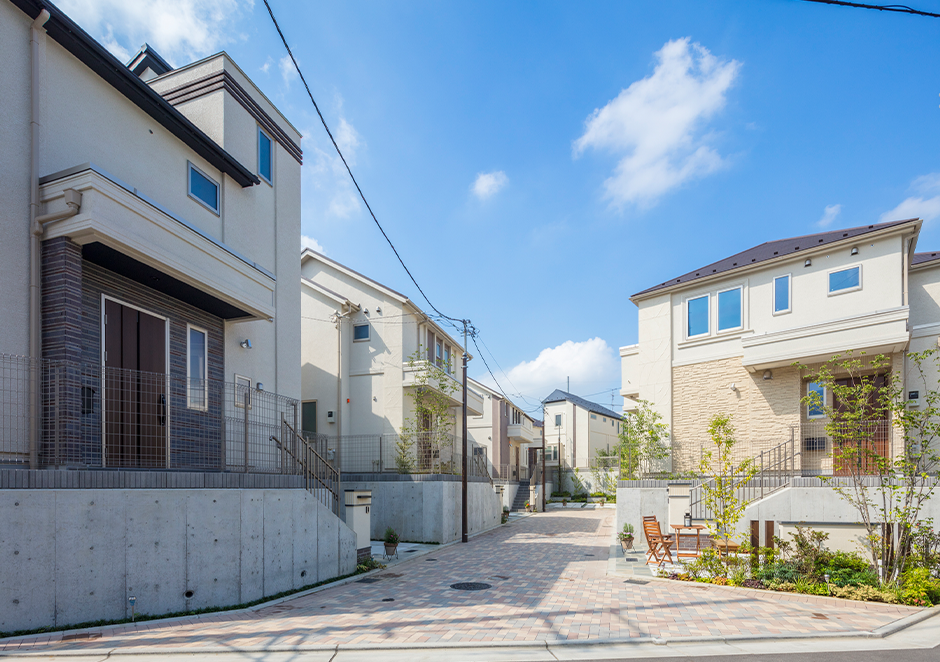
x=35, y=310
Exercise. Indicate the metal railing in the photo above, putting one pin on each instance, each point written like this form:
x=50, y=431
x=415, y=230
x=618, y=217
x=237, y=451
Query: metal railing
x=420, y=453
x=864, y=440
x=321, y=478
x=773, y=470
x=511, y=473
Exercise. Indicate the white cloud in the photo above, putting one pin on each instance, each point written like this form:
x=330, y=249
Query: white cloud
x=829, y=215
x=311, y=243
x=288, y=71
x=267, y=65
x=589, y=364
x=657, y=124
x=180, y=30
x=488, y=184
x=332, y=192
x=925, y=205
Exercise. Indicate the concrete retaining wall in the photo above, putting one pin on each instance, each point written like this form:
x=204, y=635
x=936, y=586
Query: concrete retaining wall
x=635, y=503
x=428, y=510
x=71, y=556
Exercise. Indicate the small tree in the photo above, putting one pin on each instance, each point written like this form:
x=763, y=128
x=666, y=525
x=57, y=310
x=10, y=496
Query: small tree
x=721, y=494
x=888, y=487
x=644, y=441
x=431, y=426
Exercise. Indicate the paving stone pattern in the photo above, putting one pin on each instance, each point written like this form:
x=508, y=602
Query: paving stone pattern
x=549, y=582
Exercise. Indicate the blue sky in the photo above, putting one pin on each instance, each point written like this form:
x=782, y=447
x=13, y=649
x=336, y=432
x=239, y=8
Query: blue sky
x=536, y=163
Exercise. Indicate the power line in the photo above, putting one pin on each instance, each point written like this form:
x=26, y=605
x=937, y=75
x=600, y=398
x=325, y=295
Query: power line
x=348, y=169
x=902, y=9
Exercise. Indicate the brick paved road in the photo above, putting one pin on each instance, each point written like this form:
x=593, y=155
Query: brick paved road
x=549, y=582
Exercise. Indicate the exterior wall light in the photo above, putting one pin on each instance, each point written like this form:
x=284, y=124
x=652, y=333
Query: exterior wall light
x=768, y=374
x=854, y=250
x=808, y=263
x=245, y=344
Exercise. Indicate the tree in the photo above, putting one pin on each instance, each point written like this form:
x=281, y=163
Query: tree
x=643, y=442
x=887, y=486
x=721, y=494
x=431, y=425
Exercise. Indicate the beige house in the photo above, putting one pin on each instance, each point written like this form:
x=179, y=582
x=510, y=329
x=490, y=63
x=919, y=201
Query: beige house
x=723, y=338
x=506, y=432
x=576, y=429
x=363, y=347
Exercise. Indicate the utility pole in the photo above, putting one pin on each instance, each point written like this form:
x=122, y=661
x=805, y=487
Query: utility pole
x=466, y=460
x=544, y=496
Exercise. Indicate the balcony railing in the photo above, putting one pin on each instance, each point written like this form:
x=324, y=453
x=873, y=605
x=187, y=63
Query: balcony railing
x=511, y=473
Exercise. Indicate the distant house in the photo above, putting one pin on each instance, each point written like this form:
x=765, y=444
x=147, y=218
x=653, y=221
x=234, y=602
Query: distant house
x=576, y=429
x=723, y=338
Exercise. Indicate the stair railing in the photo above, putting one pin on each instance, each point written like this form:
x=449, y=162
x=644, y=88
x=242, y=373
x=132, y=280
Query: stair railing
x=321, y=478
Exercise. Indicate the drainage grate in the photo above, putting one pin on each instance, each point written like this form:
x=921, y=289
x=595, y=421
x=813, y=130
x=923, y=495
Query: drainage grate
x=471, y=586
x=81, y=635
x=388, y=599
x=631, y=559
x=410, y=551
x=640, y=582
x=389, y=575
x=589, y=555
x=503, y=577
x=430, y=559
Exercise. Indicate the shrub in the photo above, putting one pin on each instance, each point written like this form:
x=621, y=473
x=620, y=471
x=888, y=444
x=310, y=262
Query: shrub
x=867, y=593
x=919, y=587
x=390, y=536
x=598, y=495
x=558, y=495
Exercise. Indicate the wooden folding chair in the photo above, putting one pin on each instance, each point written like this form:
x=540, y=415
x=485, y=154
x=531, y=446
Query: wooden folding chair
x=659, y=546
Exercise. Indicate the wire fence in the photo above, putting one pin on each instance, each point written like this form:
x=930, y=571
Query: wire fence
x=88, y=416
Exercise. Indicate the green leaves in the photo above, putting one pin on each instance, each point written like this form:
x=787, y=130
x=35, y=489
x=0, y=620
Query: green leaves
x=644, y=442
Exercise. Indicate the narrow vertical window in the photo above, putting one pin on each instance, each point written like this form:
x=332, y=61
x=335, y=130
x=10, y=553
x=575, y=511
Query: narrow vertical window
x=438, y=355
x=816, y=409
x=697, y=316
x=265, y=147
x=557, y=420
x=729, y=309
x=308, y=418
x=242, y=391
x=196, y=368
x=447, y=365
x=782, y=294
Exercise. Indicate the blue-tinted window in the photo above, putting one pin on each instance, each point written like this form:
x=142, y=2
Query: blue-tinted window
x=846, y=279
x=781, y=294
x=698, y=316
x=361, y=332
x=816, y=410
x=264, y=155
x=729, y=309
x=203, y=189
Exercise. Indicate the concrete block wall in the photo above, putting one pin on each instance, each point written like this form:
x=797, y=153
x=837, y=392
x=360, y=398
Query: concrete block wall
x=635, y=503
x=429, y=510
x=762, y=411
x=71, y=556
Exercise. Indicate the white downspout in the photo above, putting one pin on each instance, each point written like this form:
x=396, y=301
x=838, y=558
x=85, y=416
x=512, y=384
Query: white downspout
x=35, y=309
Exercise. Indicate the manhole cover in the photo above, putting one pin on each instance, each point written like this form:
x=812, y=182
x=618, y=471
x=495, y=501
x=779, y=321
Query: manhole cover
x=369, y=580
x=471, y=586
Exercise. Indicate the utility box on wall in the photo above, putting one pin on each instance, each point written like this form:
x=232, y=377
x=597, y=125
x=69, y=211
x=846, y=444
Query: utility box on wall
x=359, y=519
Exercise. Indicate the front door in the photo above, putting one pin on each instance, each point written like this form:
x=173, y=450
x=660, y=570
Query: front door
x=135, y=388
x=871, y=436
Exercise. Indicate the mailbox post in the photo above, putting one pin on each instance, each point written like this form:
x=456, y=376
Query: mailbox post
x=359, y=519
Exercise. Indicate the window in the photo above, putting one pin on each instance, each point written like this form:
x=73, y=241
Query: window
x=196, y=368
x=845, y=280
x=697, y=314
x=594, y=416
x=264, y=156
x=782, y=294
x=447, y=366
x=551, y=453
x=360, y=332
x=438, y=353
x=729, y=309
x=557, y=420
x=242, y=390
x=308, y=418
x=816, y=410
x=202, y=189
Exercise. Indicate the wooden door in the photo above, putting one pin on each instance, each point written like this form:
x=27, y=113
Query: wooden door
x=871, y=440
x=135, y=388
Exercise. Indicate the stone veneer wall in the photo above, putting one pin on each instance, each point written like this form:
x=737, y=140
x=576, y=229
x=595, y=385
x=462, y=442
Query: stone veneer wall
x=762, y=411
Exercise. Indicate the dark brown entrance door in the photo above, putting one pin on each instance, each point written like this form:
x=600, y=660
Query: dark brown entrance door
x=869, y=437
x=135, y=388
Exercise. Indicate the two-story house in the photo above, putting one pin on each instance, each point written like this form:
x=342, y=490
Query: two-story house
x=724, y=338
x=576, y=429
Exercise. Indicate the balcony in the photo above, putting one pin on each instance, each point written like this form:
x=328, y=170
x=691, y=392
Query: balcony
x=413, y=375
x=523, y=433
x=883, y=332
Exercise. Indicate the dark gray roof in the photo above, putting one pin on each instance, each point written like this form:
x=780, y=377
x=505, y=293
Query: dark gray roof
x=148, y=57
x=921, y=258
x=559, y=396
x=771, y=250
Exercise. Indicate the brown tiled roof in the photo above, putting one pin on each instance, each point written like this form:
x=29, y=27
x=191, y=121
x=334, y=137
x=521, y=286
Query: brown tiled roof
x=771, y=250
x=921, y=258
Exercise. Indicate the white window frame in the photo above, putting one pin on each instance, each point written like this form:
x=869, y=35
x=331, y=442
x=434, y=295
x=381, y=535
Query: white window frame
x=825, y=393
x=368, y=335
x=558, y=420
x=238, y=400
x=189, y=378
x=708, y=317
x=189, y=188
x=773, y=295
x=271, y=142
x=848, y=289
x=718, y=310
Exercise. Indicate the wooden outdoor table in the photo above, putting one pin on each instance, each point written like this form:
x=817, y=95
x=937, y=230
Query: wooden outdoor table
x=725, y=546
x=679, y=528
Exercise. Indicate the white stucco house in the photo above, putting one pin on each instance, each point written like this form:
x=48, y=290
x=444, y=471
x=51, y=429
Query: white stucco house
x=576, y=428
x=149, y=336
x=506, y=432
x=723, y=338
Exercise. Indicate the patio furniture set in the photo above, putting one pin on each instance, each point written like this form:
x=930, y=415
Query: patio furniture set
x=660, y=546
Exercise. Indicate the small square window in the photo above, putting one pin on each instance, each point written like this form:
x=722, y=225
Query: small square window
x=265, y=148
x=729, y=309
x=360, y=332
x=782, y=294
x=845, y=280
x=697, y=314
x=202, y=189
x=816, y=410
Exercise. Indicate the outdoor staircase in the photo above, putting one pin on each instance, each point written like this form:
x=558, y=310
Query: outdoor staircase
x=521, y=497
